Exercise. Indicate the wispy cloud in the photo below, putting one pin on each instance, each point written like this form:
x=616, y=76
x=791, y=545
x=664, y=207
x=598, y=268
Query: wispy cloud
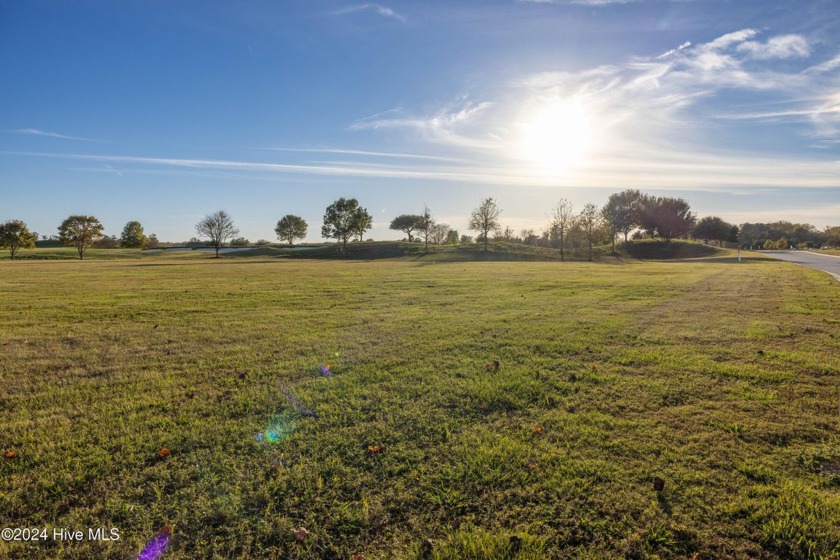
x=579, y=2
x=783, y=46
x=452, y=124
x=400, y=155
x=37, y=132
x=383, y=11
x=674, y=51
x=826, y=66
x=662, y=112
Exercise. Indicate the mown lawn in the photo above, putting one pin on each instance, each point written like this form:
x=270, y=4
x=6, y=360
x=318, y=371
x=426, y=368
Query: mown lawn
x=717, y=377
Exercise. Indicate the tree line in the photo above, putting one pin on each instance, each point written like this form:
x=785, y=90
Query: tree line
x=626, y=212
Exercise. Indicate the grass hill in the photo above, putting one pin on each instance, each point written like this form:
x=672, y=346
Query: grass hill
x=656, y=249
x=648, y=249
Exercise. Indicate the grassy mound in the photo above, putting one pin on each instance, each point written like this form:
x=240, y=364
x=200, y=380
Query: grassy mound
x=374, y=250
x=656, y=249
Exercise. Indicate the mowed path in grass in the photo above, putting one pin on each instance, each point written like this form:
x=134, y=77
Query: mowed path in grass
x=720, y=378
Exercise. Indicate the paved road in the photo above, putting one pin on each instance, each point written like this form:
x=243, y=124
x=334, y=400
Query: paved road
x=826, y=263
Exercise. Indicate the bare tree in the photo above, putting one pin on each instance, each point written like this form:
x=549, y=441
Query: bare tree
x=561, y=221
x=425, y=225
x=218, y=227
x=439, y=233
x=485, y=218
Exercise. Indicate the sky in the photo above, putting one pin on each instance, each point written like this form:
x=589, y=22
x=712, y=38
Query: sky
x=164, y=112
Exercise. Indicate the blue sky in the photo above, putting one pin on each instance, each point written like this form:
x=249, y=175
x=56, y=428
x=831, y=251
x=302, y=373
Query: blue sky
x=165, y=111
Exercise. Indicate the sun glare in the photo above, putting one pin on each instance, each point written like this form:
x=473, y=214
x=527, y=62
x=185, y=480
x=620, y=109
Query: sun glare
x=557, y=137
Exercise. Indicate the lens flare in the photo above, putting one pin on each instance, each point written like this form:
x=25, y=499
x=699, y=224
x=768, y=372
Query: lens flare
x=157, y=546
x=278, y=429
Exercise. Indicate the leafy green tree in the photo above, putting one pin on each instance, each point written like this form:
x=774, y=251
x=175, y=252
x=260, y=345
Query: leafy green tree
x=14, y=235
x=153, y=243
x=666, y=217
x=589, y=220
x=712, y=228
x=621, y=213
x=562, y=218
x=291, y=227
x=734, y=233
x=218, y=227
x=485, y=219
x=364, y=222
x=452, y=237
x=406, y=223
x=133, y=236
x=80, y=232
x=341, y=220
x=240, y=242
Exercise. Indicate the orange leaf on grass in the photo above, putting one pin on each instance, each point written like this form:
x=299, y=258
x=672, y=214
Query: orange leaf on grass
x=163, y=452
x=300, y=533
x=538, y=430
x=10, y=455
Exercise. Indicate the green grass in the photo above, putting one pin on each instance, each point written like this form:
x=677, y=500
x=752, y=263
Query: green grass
x=720, y=378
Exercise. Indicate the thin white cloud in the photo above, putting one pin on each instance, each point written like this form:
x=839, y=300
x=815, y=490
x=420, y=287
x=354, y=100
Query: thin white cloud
x=826, y=66
x=674, y=51
x=579, y=2
x=364, y=153
x=383, y=11
x=680, y=171
x=37, y=132
x=450, y=125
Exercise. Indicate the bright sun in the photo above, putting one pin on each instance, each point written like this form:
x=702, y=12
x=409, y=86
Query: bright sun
x=557, y=137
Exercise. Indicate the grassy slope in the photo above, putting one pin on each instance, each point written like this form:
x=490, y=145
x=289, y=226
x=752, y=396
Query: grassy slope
x=646, y=249
x=720, y=378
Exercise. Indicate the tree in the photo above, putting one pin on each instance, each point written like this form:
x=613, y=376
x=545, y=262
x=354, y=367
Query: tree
x=666, y=217
x=80, y=232
x=291, y=227
x=425, y=225
x=589, y=221
x=485, y=219
x=528, y=236
x=621, y=213
x=14, y=235
x=465, y=240
x=452, y=237
x=439, y=233
x=674, y=218
x=406, y=223
x=713, y=228
x=341, y=220
x=133, y=236
x=239, y=242
x=218, y=227
x=364, y=222
x=153, y=243
x=561, y=221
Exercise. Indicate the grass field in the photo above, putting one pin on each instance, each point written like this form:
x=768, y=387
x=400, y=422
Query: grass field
x=717, y=377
